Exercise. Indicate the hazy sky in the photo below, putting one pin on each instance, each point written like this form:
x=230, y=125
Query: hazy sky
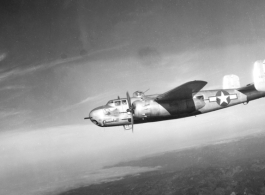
x=60, y=59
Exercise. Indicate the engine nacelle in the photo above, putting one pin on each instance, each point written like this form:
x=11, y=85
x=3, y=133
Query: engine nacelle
x=139, y=109
x=145, y=108
x=259, y=75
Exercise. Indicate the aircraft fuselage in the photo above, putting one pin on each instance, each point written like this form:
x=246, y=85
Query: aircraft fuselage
x=150, y=109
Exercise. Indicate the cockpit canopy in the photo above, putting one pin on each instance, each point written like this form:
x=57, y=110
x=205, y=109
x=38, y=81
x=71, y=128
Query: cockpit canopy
x=138, y=94
x=118, y=102
x=123, y=101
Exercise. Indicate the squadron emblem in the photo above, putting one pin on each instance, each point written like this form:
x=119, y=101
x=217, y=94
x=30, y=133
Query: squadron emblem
x=223, y=98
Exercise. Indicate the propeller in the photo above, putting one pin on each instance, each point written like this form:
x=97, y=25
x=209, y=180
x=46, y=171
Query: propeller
x=130, y=109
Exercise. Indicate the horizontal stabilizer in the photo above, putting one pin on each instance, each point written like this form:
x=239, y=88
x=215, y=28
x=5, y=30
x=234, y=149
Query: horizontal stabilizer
x=182, y=92
x=231, y=82
x=259, y=75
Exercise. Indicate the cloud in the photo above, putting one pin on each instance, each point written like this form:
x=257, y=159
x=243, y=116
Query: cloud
x=16, y=72
x=150, y=56
x=63, y=157
x=9, y=74
x=3, y=56
x=94, y=98
x=12, y=87
x=4, y=114
x=71, y=107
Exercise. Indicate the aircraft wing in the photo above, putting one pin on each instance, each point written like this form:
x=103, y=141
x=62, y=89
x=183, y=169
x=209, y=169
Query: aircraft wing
x=184, y=91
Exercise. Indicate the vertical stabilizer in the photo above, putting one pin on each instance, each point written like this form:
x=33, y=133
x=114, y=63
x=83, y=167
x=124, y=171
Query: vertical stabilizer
x=259, y=75
x=231, y=82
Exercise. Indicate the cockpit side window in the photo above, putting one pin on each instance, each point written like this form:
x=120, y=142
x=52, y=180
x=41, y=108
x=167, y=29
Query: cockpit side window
x=110, y=102
x=124, y=102
x=117, y=103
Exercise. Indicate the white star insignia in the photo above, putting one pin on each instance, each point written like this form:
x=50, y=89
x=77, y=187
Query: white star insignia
x=223, y=98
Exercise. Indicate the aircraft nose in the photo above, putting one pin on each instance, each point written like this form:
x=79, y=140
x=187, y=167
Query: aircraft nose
x=96, y=116
x=92, y=114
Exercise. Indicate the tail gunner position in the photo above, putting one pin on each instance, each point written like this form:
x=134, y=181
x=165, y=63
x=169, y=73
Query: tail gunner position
x=185, y=100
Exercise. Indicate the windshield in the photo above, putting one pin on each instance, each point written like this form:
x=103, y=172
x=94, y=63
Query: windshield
x=117, y=102
x=110, y=103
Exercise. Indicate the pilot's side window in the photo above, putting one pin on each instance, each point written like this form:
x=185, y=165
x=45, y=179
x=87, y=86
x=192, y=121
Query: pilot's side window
x=117, y=103
x=124, y=102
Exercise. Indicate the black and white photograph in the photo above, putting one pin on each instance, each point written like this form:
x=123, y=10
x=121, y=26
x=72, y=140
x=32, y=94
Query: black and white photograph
x=132, y=97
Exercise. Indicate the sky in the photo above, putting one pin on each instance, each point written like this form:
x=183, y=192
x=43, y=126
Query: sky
x=61, y=59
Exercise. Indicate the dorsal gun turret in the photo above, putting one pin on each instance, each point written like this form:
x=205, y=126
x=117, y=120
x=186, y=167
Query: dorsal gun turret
x=138, y=94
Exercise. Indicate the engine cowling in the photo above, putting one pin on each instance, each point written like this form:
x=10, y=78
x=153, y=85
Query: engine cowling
x=146, y=108
x=259, y=75
x=139, y=109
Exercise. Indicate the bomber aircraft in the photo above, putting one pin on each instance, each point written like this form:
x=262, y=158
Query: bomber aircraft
x=183, y=101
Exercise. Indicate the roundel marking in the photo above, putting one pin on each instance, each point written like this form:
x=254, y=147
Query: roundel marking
x=223, y=98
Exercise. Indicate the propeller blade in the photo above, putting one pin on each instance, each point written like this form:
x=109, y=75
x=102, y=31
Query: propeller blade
x=129, y=100
x=130, y=108
x=132, y=121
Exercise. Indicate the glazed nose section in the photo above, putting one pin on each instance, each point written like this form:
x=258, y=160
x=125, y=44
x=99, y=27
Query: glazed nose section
x=96, y=116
